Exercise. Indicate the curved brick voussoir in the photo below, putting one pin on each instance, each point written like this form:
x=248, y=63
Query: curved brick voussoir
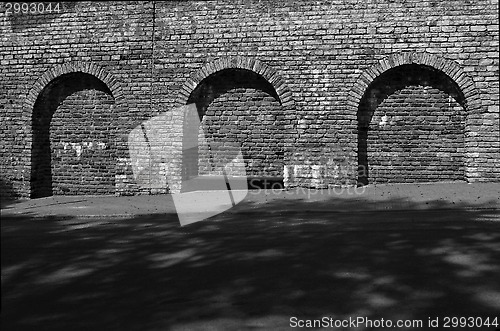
x=267, y=72
x=71, y=67
x=451, y=68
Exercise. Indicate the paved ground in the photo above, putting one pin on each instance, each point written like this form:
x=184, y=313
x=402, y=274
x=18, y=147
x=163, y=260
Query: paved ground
x=381, y=197
x=408, y=252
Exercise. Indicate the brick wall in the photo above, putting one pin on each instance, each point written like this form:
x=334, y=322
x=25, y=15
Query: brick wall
x=90, y=38
x=319, y=61
x=83, y=144
x=250, y=118
x=417, y=134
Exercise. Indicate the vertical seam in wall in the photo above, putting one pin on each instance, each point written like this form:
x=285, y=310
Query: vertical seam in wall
x=152, y=58
x=152, y=81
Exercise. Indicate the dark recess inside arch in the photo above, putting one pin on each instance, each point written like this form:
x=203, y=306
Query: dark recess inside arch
x=225, y=80
x=46, y=104
x=386, y=84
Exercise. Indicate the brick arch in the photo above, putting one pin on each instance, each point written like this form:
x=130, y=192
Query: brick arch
x=451, y=68
x=112, y=85
x=267, y=72
x=281, y=92
x=470, y=97
x=72, y=67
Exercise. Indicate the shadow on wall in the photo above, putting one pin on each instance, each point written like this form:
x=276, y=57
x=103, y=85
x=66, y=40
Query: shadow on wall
x=225, y=80
x=253, y=269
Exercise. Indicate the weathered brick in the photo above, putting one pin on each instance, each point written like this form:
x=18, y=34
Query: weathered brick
x=318, y=51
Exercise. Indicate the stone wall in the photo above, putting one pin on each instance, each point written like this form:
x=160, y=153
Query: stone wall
x=299, y=84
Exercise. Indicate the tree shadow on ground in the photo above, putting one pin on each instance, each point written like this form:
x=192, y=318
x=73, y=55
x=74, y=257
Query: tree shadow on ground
x=247, y=271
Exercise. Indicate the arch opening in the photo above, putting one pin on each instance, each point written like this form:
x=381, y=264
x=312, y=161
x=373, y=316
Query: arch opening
x=411, y=122
x=73, y=137
x=237, y=107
